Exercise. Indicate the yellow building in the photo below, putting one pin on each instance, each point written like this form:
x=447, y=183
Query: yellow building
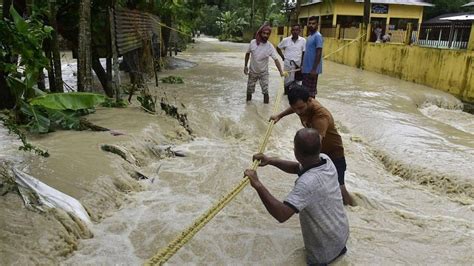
x=389, y=14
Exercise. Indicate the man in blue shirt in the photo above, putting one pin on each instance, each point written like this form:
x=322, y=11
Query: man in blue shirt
x=312, y=61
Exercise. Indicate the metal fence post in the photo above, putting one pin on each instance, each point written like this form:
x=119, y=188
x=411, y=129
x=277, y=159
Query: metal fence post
x=451, y=32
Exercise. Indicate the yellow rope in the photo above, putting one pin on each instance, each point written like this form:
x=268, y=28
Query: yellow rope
x=344, y=46
x=166, y=253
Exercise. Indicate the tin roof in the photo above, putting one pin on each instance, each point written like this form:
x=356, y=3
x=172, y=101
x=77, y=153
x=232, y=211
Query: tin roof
x=459, y=18
x=398, y=2
x=390, y=2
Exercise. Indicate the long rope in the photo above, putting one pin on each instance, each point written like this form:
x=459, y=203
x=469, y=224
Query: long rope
x=344, y=46
x=167, y=252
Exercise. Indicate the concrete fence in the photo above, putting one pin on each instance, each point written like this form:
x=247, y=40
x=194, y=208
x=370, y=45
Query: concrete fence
x=450, y=70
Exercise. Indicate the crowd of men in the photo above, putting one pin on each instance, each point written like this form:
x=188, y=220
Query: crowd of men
x=319, y=193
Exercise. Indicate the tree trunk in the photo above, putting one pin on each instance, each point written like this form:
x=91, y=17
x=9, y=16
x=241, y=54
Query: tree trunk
x=58, y=80
x=84, y=59
x=6, y=8
x=166, y=33
x=48, y=54
x=297, y=12
x=102, y=75
x=41, y=83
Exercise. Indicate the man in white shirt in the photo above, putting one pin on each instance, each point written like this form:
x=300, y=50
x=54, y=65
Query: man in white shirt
x=316, y=197
x=260, y=49
x=293, y=50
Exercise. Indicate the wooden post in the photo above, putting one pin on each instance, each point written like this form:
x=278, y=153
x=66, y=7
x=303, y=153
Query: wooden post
x=362, y=43
x=56, y=65
x=116, y=72
x=338, y=32
x=369, y=32
x=470, y=44
x=84, y=58
x=109, y=44
x=409, y=33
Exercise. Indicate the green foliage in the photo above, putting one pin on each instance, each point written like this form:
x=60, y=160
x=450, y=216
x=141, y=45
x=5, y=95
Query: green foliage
x=207, y=20
x=172, y=111
x=172, y=80
x=112, y=103
x=68, y=101
x=147, y=101
x=22, y=38
x=230, y=24
x=43, y=120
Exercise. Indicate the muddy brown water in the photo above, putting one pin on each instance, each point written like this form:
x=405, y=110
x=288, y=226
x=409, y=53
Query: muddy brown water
x=410, y=153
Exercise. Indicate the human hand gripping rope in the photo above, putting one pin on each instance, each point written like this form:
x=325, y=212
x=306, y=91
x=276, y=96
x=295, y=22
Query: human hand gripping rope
x=167, y=252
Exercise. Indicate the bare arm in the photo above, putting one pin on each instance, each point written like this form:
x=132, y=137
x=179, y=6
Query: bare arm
x=247, y=57
x=279, y=116
x=276, y=208
x=317, y=60
x=302, y=57
x=278, y=65
x=284, y=165
x=280, y=53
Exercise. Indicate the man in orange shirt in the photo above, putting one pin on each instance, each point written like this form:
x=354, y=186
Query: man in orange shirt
x=313, y=115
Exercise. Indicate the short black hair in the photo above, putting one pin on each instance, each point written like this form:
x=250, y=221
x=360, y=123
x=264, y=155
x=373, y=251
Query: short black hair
x=308, y=142
x=314, y=18
x=296, y=93
x=295, y=25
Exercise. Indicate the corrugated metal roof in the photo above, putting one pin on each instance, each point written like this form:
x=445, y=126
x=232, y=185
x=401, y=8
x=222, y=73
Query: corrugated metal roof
x=459, y=18
x=390, y=2
x=439, y=19
x=312, y=3
x=398, y=2
x=133, y=27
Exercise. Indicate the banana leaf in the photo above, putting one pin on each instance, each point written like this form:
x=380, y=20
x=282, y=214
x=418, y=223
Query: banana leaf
x=64, y=119
x=39, y=123
x=68, y=101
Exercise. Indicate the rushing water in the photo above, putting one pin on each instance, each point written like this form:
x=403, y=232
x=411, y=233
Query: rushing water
x=410, y=153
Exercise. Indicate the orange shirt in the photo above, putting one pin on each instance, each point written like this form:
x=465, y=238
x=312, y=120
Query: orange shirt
x=320, y=118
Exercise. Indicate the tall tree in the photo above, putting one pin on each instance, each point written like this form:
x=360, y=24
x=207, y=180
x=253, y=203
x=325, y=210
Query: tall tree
x=84, y=58
x=297, y=11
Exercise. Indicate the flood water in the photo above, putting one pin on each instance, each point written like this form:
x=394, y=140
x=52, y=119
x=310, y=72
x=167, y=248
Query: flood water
x=409, y=149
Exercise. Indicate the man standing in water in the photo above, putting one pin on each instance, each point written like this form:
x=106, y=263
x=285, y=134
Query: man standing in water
x=313, y=115
x=312, y=61
x=293, y=47
x=315, y=197
x=260, y=49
